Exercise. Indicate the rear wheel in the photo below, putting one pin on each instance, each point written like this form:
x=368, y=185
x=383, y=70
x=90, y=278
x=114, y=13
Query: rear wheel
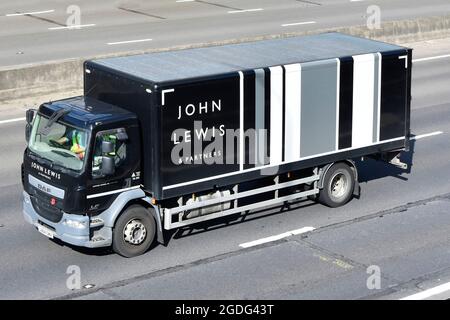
x=134, y=232
x=338, y=185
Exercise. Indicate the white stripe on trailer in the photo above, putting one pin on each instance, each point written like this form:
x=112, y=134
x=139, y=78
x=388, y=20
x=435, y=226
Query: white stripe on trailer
x=276, y=115
x=241, y=121
x=96, y=195
x=292, y=115
x=363, y=94
x=338, y=92
x=380, y=61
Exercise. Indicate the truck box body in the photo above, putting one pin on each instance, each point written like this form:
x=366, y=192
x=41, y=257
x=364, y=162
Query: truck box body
x=318, y=99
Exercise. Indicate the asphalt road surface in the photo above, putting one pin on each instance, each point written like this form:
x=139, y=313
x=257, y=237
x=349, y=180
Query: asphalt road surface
x=399, y=226
x=36, y=31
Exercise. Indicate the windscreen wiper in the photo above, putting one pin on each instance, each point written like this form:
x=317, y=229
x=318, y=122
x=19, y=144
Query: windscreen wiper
x=55, y=117
x=64, y=154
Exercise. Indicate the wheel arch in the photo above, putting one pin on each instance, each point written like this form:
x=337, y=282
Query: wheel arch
x=155, y=213
x=125, y=200
x=350, y=163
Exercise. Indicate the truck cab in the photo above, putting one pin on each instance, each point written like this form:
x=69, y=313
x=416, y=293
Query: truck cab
x=81, y=155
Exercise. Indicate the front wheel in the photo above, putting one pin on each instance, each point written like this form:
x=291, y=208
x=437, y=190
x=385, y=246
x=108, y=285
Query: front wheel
x=338, y=185
x=134, y=232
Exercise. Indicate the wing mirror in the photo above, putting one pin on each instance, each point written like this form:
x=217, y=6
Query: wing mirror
x=108, y=166
x=107, y=147
x=29, y=115
x=28, y=129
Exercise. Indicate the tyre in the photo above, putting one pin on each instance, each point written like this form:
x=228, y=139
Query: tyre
x=338, y=185
x=133, y=232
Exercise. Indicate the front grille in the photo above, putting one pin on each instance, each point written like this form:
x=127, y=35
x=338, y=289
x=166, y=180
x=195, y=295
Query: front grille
x=46, y=210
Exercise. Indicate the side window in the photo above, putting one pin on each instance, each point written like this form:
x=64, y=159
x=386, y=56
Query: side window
x=119, y=150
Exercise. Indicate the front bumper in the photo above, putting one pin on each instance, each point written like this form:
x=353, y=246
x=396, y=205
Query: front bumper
x=83, y=237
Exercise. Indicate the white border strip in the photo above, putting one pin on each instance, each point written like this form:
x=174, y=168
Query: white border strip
x=268, y=165
x=429, y=293
x=96, y=195
x=277, y=237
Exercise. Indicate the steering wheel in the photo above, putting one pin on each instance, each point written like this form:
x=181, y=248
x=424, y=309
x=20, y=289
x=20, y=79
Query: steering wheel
x=55, y=143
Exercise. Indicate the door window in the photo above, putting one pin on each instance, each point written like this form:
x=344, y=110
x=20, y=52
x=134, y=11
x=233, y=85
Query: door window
x=119, y=150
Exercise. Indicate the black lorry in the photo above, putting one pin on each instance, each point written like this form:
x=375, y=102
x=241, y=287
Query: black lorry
x=165, y=140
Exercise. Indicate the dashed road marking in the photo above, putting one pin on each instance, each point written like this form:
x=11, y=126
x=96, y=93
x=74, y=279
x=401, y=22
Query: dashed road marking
x=276, y=237
x=128, y=41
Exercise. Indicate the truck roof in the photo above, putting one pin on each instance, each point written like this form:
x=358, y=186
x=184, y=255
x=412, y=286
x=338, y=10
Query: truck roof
x=85, y=111
x=200, y=62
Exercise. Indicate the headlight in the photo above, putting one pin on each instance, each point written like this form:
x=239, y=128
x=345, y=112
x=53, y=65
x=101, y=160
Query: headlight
x=74, y=224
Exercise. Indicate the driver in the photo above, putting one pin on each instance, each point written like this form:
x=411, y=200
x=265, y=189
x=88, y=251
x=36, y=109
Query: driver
x=77, y=140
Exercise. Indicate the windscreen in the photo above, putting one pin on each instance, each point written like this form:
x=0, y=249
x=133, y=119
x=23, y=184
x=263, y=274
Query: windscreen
x=60, y=143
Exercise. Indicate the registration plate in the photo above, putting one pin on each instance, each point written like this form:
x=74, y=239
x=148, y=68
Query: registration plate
x=45, y=231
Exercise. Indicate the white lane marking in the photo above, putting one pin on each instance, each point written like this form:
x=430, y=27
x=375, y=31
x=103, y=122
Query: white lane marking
x=76, y=26
x=356, y=0
x=429, y=293
x=129, y=41
x=420, y=136
x=28, y=13
x=432, y=58
x=185, y=1
x=246, y=10
x=12, y=120
x=297, y=23
x=277, y=237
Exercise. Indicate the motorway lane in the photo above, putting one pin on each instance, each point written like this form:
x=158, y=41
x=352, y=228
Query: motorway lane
x=424, y=91
x=330, y=263
x=34, y=267
x=27, y=39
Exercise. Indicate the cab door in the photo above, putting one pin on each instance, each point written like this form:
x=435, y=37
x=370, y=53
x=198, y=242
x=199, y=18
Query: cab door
x=115, y=169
